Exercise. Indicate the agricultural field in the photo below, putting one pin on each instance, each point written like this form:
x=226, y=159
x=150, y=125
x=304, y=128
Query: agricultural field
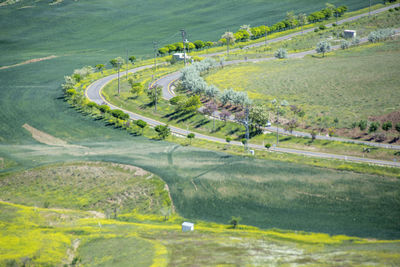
x=69, y=194
x=64, y=233
x=350, y=85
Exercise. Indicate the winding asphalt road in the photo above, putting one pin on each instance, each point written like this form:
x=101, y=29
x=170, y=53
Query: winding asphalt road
x=93, y=93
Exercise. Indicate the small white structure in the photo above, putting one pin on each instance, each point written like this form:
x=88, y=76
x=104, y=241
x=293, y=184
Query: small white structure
x=187, y=226
x=350, y=34
x=180, y=56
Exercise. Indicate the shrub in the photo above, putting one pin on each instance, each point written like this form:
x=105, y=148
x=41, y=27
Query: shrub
x=92, y=105
x=373, y=127
x=244, y=141
x=281, y=53
x=71, y=92
x=268, y=146
x=119, y=114
x=345, y=44
x=356, y=41
x=316, y=30
x=322, y=27
x=363, y=125
x=334, y=24
x=176, y=99
x=323, y=47
x=387, y=126
x=163, y=131
x=228, y=139
x=380, y=35
x=380, y=137
x=104, y=108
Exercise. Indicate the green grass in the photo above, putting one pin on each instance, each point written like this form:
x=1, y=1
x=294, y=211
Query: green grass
x=116, y=252
x=66, y=237
x=89, y=186
x=349, y=85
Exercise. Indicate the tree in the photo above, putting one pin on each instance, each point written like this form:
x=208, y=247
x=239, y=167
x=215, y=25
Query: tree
x=224, y=115
x=387, y=125
x=268, y=146
x=132, y=59
x=208, y=44
x=190, y=46
x=190, y=137
x=212, y=92
x=199, y=44
x=136, y=88
x=163, y=131
x=142, y=124
x=209, y=109
x=117, y=62
x=313, y=135
x=191, y=104
x=323, y=47
x=373, y=127
x=259, y=115
x=230, y=38
x=302, y=18
x=228, y=139
x=281, y=53
x=235, y=221
x=163, y=50
x=363, y=125
x=100, y=67
x=397, y=127
x=154, y=94
x=104, y=108
x=119, y=114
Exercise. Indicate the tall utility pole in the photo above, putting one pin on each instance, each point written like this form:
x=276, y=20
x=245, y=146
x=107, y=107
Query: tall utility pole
x=277, y=124
x=154, y=74
x=266, y=33
x=127, y=66
x=369, y=8
x=247, y=127
x=119, y=66
x=184, y=45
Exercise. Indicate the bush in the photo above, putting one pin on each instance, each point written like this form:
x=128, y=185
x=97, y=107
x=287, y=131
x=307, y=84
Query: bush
x=268, y=146
x=176, y=99
x=281, y=53
x=104, y=108
x=71, y=92
x=316, y=30
x=163, y=131
x=322, y=27
x=380, y=35
x=92, y=105
x=356, y=41
x=373, y=127
x=387, y=126
x=119, y=114
x=345, y=44
x=363, y=125
x=334, y=24
x=228, y=139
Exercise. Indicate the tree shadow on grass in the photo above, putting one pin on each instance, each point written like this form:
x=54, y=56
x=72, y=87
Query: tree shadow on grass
x=201, y=123
x=191, y=115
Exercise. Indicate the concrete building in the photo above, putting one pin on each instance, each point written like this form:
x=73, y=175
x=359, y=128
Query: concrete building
x=187, y=227
x=350, y=34
x=180, y=56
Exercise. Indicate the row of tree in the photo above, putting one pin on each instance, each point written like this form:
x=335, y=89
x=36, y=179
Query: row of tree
x=246, y=32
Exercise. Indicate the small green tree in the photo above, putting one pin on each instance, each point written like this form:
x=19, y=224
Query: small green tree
x=190, y=137
x=235, y=221
x=373, y=127
x=100, y=67
x=228, y=139
x=230, y=38
x=363, y=125
x=268, y=146
x=323, y=47
x=313, y=135
x=142, y=124
x=281, y=53
x=154, y=94
x=163, y=131
x=387, y=125
x=132, y=59
x=136, y=88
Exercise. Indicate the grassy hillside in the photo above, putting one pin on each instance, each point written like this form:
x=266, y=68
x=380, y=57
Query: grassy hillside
x=349, y=85
x=54, y=236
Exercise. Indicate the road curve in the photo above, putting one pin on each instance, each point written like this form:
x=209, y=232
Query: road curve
x=93, y=93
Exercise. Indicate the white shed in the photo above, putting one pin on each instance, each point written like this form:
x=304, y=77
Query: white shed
x=350, y=34
x=187, y=226
x=180, y=56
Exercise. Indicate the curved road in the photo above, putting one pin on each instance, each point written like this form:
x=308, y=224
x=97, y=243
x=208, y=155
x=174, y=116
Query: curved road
x=93, y=93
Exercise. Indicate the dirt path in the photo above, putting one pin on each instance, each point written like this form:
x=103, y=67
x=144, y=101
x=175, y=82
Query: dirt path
x=28, y=62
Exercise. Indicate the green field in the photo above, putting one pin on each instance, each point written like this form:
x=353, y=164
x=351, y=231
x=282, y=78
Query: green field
x=349, y=85
x=55, y=235
x=83, y=33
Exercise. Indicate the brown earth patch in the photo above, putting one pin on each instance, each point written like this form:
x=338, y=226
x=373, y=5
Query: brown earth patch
x=28, y=61
x=46, y=138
